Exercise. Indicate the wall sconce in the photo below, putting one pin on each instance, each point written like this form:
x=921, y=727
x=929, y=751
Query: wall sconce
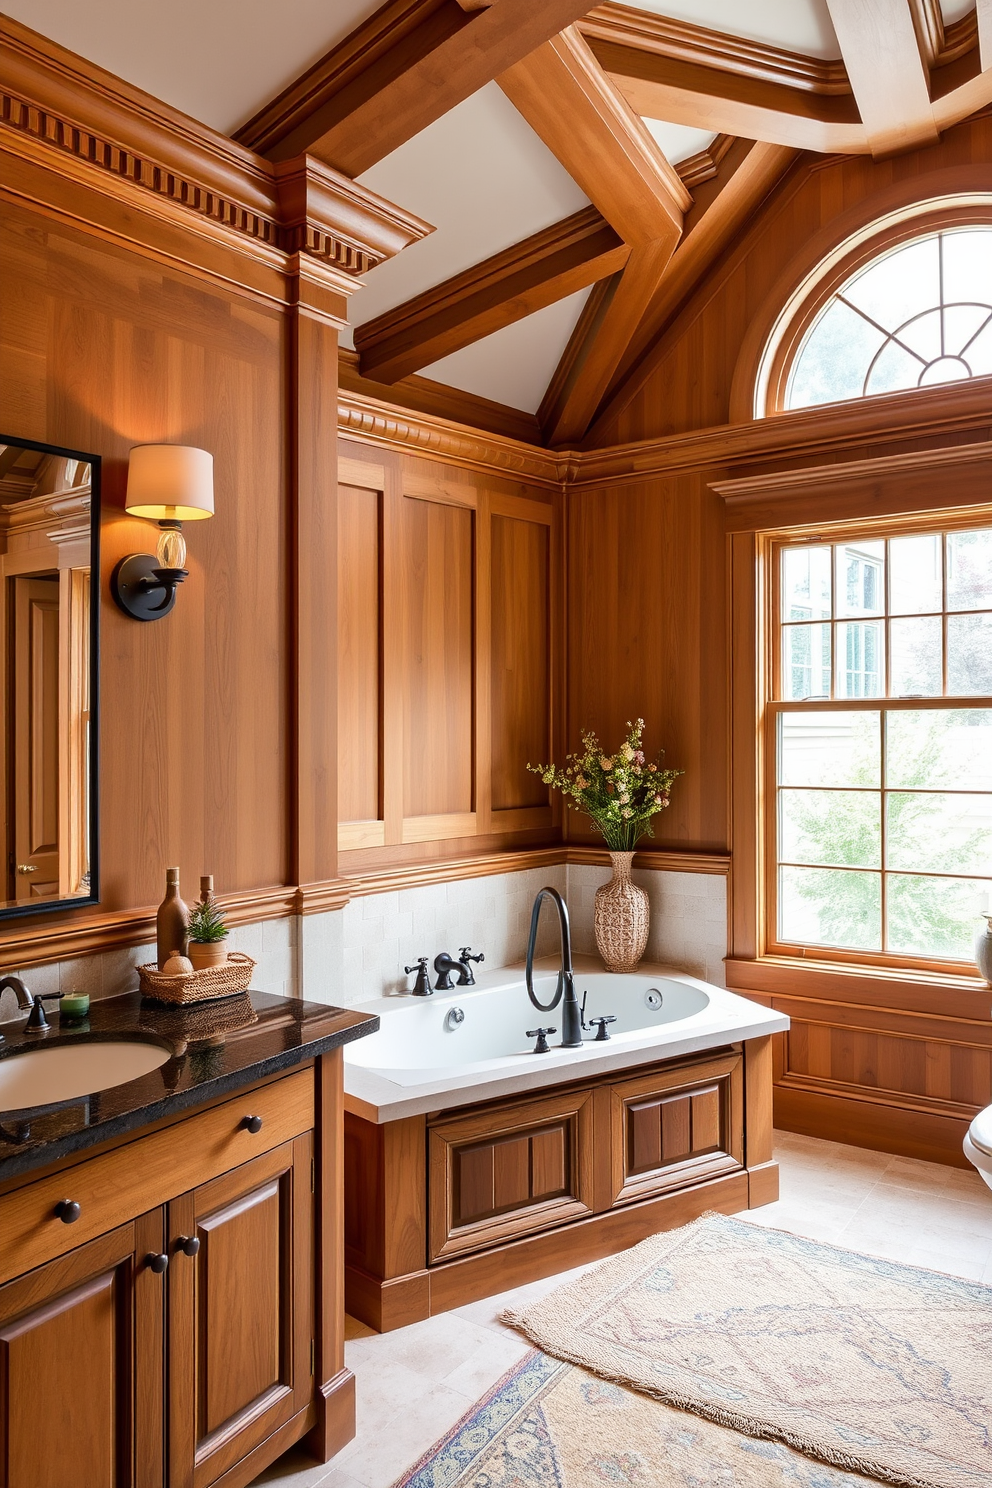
x=168, y=484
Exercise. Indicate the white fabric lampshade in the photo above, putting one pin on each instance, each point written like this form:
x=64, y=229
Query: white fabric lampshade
x=170, y=483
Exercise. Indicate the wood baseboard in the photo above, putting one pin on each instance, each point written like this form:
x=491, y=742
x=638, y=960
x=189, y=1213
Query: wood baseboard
x=394, y=1304
x=762, y=1185
x=334, y=1427
x=864, y=1123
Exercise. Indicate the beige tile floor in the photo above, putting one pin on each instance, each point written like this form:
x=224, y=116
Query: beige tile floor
x=415, y=1383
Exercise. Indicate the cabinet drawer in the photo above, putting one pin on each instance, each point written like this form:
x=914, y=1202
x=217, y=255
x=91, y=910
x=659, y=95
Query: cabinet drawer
x=116, y=1186
x=676, y=1127
x=510, y=1171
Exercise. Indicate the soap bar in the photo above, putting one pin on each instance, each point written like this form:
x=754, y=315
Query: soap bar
x=74, y=1004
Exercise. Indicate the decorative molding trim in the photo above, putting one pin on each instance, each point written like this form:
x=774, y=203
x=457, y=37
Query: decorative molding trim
x=47, y=939
x=418, y=394
x=941, y=411
x=76, y=110
x=705, y=164
x=684, y=42
x=658, y=859
x=788, y=484
x=370, y=421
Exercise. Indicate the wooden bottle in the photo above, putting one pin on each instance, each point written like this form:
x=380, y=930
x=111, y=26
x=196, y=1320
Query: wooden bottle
x=206, y=888
x=171, y=920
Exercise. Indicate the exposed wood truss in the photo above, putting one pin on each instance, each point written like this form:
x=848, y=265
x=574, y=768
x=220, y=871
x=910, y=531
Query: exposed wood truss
x=674, y=70
x=403, y=68
x=888, y=72
x=747, y=173
x=544, y=268
x=563, y=94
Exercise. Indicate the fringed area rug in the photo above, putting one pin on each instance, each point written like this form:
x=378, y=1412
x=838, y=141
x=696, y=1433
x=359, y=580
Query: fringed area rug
x=550, y=1425
x=873, y=1367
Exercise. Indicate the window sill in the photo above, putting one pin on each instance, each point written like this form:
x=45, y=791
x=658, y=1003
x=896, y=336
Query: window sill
x=945, y=995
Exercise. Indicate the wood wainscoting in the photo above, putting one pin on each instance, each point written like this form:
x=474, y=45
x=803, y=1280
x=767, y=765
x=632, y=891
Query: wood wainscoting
x=448, y=598
x=444, y=1208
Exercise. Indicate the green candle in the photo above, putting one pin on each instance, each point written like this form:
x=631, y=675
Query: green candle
x=74, y=1004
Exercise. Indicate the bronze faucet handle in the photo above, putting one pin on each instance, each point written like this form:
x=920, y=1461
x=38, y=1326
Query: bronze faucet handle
x=541, y=1034
x=422, y=986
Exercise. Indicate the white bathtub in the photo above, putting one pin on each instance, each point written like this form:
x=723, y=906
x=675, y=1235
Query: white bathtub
x=422, y=1059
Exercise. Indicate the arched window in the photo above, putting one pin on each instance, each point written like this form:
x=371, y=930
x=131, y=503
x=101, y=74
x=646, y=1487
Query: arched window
x=913, y=316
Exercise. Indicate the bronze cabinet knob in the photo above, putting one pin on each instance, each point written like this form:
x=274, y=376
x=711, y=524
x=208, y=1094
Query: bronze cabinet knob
x=188, y=1244
x=68, y=1211
x=252, y=1124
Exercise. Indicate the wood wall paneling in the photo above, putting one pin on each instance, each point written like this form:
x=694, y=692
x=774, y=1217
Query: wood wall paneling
x=447, y=660
x=521, y=660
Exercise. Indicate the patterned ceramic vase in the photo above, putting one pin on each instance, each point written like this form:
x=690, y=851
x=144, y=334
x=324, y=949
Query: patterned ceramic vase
x=983, y=950
x=622, y=917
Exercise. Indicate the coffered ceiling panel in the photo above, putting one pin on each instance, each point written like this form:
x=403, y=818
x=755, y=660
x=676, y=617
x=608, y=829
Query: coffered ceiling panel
x=514, y=365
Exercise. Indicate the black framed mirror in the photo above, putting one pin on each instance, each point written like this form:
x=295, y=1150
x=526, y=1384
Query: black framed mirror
x=49, y=671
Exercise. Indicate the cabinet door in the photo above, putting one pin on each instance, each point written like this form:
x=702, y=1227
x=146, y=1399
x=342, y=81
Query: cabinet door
x=81, y=1343
x=675, y=1127
x=510, y=1170
x=240, y=1311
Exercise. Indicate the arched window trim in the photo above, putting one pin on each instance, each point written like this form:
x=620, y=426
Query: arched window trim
x=826, y=278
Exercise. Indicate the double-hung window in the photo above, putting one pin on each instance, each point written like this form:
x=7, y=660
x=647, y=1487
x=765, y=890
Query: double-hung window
x=879, y=745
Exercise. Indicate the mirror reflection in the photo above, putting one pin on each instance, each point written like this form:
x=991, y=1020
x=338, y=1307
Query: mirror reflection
x=47, y=630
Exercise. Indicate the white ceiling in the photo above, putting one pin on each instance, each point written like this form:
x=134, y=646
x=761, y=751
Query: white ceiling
x=514, y=365
x=218, y=60
x=483, y=178
x=679, y=141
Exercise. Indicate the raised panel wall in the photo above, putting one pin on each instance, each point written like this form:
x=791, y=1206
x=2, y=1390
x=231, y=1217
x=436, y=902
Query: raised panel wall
x=359, y=653
x=521, y=660
x=436, y=539
x=446, y=689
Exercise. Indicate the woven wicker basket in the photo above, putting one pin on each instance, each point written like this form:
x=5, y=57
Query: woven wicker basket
x=198, y=986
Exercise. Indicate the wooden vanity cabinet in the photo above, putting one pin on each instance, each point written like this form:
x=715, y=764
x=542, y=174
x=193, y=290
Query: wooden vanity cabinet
x=118, y=1373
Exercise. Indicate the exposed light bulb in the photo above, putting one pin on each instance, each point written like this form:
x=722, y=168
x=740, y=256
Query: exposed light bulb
x=171, y=548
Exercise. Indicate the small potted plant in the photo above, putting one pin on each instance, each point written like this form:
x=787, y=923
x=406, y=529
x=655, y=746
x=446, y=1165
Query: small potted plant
x=207, y=935
x=619, y=793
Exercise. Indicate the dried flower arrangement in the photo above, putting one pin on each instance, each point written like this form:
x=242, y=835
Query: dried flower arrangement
x=620, y=792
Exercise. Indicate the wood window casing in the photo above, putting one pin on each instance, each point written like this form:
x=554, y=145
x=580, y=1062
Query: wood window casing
x=758, y=960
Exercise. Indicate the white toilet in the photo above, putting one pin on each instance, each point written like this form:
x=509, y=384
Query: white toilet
x=978, y=1144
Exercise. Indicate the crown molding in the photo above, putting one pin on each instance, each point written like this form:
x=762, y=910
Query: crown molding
x=85, y=123
x=956, y=408
x=371, y=421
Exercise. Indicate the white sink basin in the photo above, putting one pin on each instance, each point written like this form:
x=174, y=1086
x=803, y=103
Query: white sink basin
x=61, y=1072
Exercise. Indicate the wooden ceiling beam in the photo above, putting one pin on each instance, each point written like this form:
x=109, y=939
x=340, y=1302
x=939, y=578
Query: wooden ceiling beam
x=722, y=208
x=881, y=44
x=562, y=93
x=539, y=271
x=404, y=67
x=659, y=86
x=607, y=335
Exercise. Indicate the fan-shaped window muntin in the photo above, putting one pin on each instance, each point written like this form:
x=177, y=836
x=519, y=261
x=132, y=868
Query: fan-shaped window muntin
x=916, y=315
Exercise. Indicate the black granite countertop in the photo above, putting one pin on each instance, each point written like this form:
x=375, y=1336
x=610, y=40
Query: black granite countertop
x=214, y=1047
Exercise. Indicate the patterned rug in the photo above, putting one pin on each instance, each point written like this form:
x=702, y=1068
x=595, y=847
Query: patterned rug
x=873, y=1367
x=551, y=1425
